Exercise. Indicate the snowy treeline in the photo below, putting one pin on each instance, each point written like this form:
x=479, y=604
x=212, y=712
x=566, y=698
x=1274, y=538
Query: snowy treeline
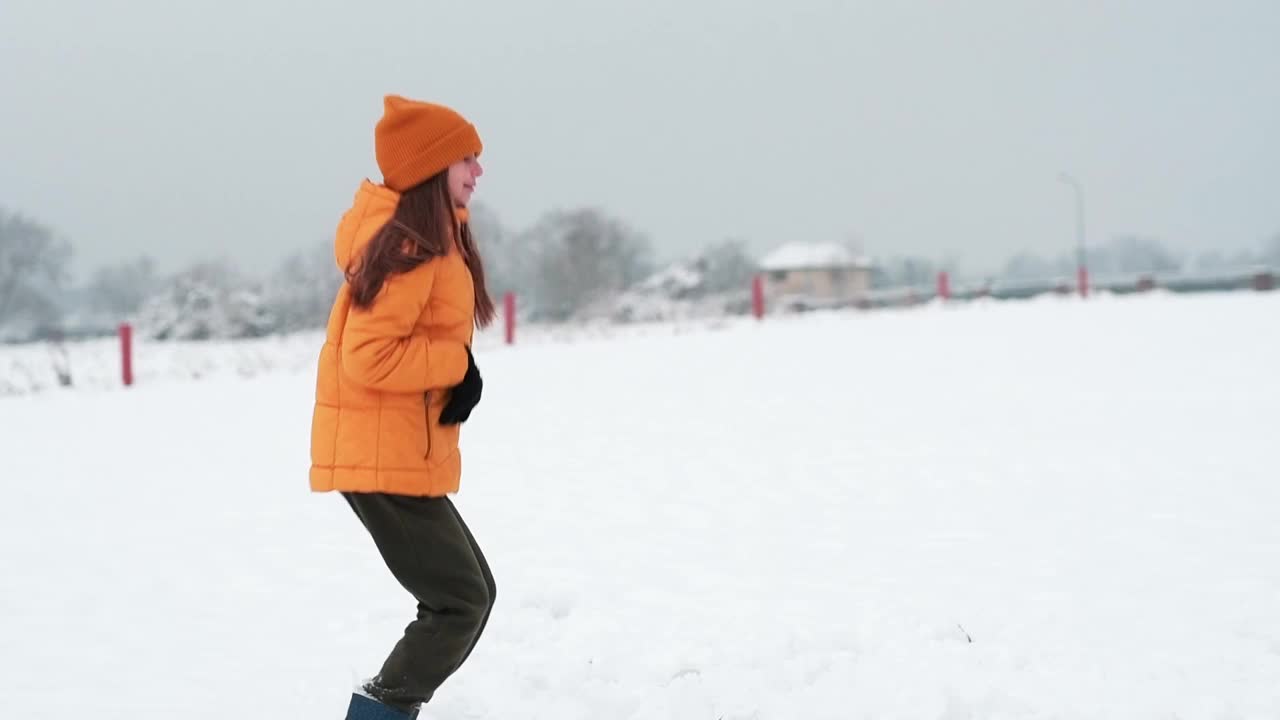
x=567, y=266
x=570, y=265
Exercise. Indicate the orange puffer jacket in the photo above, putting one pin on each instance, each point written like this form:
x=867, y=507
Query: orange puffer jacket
x=384, y=372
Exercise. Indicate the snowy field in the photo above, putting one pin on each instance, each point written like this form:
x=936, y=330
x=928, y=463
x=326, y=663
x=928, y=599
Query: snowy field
x=1050, y=509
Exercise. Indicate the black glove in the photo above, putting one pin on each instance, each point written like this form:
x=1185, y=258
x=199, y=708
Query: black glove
x=464, y=396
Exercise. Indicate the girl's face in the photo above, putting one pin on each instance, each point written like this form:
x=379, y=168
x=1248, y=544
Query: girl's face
x=462, y=179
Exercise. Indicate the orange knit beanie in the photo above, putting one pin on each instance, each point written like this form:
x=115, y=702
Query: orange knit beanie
x=415, y=140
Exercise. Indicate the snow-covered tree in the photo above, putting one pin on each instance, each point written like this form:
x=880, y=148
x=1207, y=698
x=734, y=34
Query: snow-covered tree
x=726, y=267
x=1133, y=254
x=582, y=257
x=714, y=283
x=119, y=290
x=902, y=272
x=33, y=275
x=300, y=293
x=207, y=301
x=508, y=261
x=1122, y=255
x=1027, y=266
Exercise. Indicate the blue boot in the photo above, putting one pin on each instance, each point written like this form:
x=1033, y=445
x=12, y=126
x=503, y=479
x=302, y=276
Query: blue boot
x=363, y=707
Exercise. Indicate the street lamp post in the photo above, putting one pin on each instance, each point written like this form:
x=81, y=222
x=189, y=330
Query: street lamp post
x=1082, y=268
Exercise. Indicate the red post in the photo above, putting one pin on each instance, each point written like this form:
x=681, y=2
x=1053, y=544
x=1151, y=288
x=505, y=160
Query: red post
x=944, y=285
x=509, y=315
x=126, y=353
x=1082, y=281
x=757, y=296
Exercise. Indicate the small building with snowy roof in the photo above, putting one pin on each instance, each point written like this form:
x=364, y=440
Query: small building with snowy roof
x=825, y=272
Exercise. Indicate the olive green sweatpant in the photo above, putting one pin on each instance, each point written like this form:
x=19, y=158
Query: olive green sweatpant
x=431, y=552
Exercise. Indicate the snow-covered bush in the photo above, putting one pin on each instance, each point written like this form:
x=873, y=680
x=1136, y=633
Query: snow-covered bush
x=207, y=301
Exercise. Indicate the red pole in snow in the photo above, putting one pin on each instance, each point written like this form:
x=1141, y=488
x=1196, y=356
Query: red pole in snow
x=126, y=353
x=509, y=315
x=757, y=296
x=944, y=285
x=1082, y=281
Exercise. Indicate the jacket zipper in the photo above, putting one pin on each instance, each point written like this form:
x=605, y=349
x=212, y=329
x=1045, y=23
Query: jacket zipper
x=426, y=418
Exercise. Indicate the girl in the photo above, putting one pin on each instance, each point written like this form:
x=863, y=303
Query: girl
x=396, y=379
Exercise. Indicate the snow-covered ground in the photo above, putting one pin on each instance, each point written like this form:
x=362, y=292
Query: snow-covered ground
x=809, y=517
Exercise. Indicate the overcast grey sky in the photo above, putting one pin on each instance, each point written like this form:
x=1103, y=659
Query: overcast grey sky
x=241, y=128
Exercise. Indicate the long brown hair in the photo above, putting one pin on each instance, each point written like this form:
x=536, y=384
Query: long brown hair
x=418, y=231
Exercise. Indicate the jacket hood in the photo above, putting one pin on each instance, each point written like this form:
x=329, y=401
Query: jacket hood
x=372, y=207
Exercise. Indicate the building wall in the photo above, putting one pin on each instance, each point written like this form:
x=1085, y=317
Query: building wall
x=827, y=283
